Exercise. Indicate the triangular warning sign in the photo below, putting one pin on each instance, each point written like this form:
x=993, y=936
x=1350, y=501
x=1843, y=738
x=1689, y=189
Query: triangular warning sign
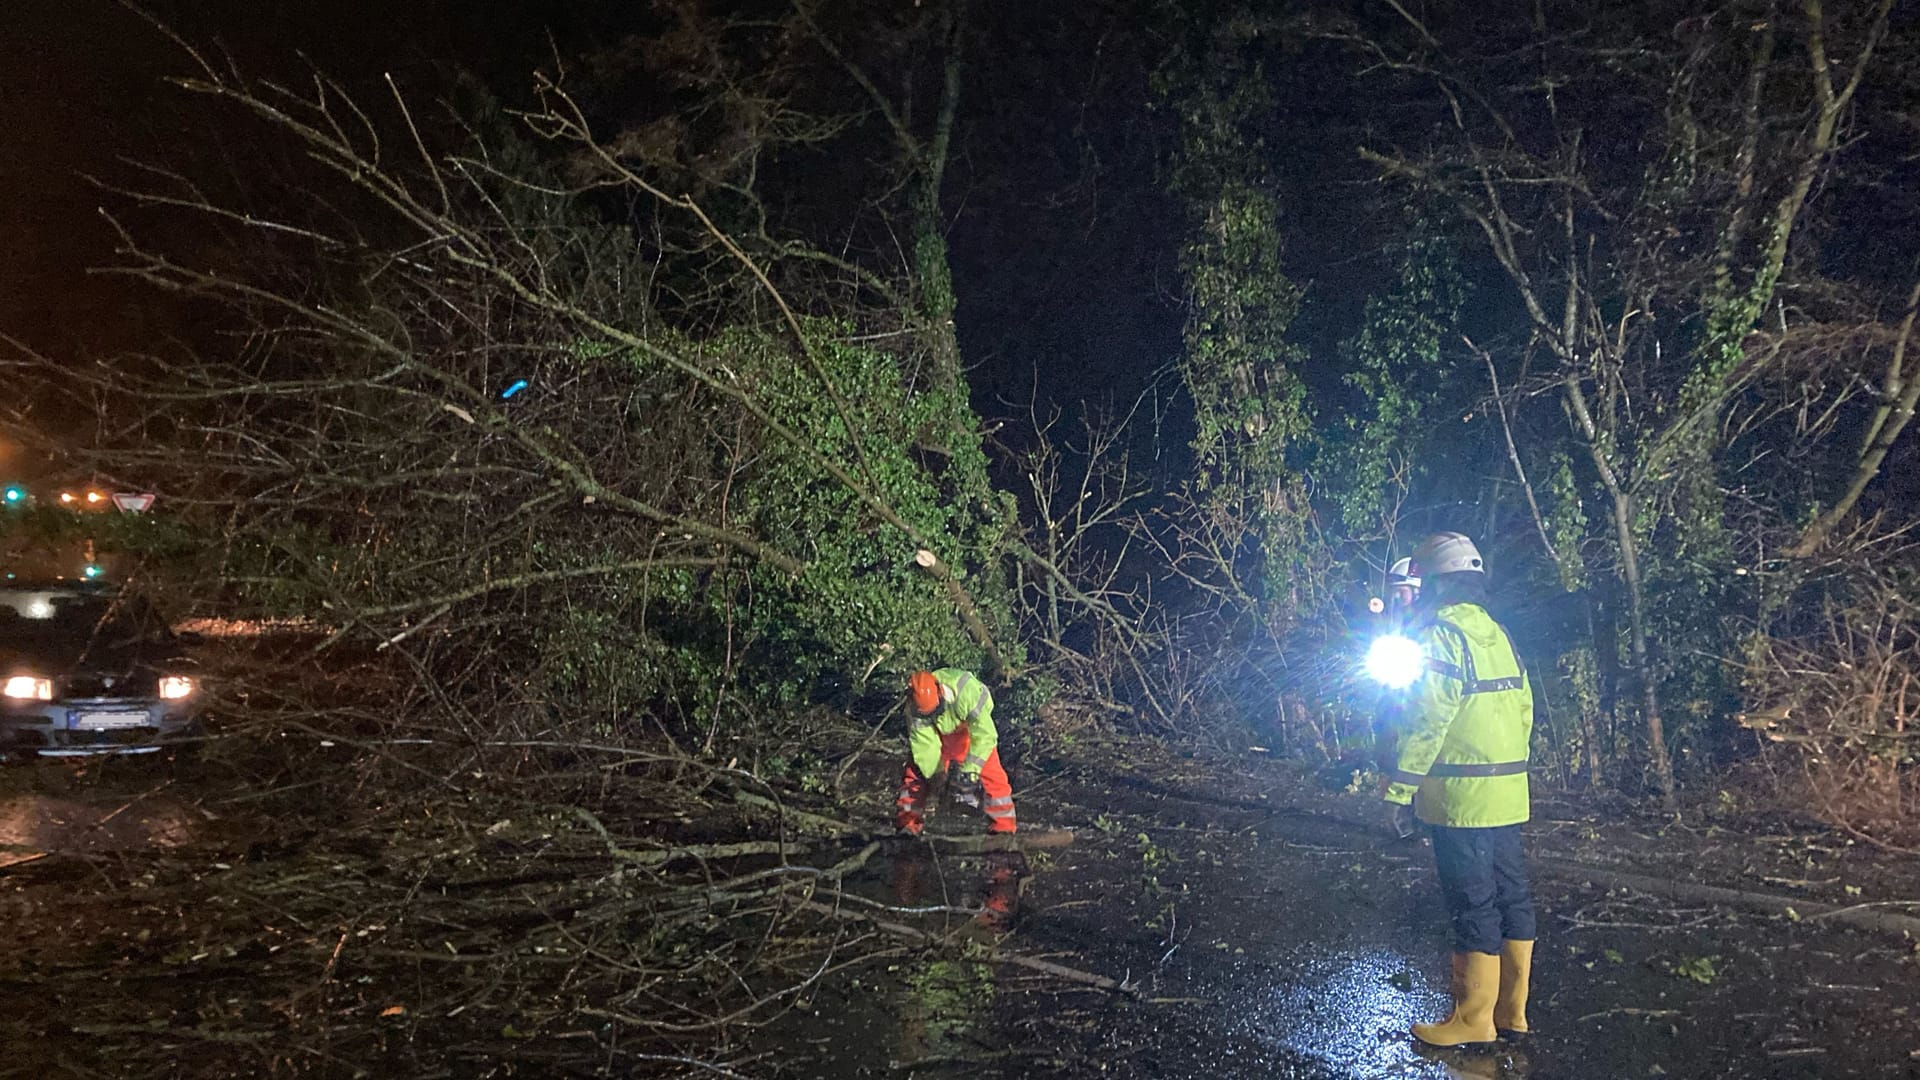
x=131, y=502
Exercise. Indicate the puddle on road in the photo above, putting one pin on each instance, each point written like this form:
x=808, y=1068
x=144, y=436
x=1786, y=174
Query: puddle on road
x=936, y=1012
x=1351, y=1010
x=990, y=883
x=32, y=826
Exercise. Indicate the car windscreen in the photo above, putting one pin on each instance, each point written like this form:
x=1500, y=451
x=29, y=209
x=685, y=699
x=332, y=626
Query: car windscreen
x=31, y=617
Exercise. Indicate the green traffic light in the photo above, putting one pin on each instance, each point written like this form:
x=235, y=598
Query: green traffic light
x=91, y=572
x=15, y=495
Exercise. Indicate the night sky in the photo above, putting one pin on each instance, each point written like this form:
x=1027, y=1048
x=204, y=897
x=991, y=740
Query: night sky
x=1063, y=238
x=81, y=95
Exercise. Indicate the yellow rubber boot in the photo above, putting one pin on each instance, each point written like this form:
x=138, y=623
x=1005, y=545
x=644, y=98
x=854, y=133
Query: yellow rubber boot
x=1510, y=1007
x=1472, y=1018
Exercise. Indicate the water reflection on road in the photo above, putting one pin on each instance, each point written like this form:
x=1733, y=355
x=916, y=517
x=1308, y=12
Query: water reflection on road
x=945, y=1000
x=990, y=884
x=1350, y=1010
x=32, y=825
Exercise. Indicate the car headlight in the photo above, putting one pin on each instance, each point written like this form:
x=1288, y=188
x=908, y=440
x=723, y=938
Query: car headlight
x=1395, y=661
x=28, y=688
x=175, y=687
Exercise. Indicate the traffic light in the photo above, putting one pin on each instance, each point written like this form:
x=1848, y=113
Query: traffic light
x=14, y=495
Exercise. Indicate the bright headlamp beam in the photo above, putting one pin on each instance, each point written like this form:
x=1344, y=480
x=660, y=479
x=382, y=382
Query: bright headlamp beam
x=1395, y=661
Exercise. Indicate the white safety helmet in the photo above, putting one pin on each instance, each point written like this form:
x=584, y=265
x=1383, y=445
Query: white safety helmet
x=1447, y=553
x=1401, y=573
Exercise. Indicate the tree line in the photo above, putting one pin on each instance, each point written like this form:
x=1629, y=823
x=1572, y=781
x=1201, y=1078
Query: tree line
x=635, y=403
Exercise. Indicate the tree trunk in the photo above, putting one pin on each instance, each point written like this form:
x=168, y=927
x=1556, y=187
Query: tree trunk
x=933, y=270
x=1634, y=585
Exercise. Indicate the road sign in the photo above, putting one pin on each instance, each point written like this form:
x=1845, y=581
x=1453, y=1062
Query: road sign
x=131, y=502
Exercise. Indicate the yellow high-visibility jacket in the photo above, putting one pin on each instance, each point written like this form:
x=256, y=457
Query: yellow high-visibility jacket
x=1469, y=726
x=966, y=702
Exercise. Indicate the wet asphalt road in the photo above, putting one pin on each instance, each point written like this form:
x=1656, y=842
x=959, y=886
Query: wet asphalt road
x=1266, y=932
x=1284, y=944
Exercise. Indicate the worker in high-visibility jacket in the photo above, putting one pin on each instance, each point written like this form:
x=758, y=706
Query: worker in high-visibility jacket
x=953, y=725
x=1462, y=766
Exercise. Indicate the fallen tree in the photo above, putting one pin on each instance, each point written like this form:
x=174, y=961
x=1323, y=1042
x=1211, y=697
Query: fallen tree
x=607, y=512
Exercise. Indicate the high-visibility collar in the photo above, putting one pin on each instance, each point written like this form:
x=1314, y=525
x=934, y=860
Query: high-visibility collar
x=1470, y=681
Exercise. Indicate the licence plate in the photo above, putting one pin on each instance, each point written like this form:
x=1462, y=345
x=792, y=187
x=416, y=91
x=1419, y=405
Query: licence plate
x=108, y=721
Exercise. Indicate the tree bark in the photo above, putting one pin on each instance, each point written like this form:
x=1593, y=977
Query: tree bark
x=1859, y=916
x=1622, y=504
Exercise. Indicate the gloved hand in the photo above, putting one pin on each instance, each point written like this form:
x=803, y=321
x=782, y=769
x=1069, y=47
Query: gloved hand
x=967, y=791
x=1402, y=820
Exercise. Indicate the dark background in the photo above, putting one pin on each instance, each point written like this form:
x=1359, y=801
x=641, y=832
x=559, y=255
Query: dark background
x=1064, y=239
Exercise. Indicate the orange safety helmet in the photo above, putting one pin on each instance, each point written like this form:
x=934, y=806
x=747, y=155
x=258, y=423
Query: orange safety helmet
x=926, y=692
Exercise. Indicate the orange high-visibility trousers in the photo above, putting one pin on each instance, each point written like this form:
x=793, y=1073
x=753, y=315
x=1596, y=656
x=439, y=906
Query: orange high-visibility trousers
x=993, y=784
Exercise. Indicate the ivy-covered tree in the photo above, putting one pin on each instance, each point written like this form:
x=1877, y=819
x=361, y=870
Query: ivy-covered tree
x=1645, y=212
x=1401, y=371
x=1242, y=372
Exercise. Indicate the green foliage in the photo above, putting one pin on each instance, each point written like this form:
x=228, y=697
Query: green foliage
x=1153, y=860
x=1251, y=405
x=1700, y=969
x=1572, y=698
x=755, y=632
x=860, y=588
x=1249, y=402
x=1566, y=518
x=1395, y=367
x=934, y=275
x=1364, y=782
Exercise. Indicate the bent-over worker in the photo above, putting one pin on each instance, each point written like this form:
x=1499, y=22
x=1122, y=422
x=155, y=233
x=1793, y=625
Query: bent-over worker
x=953, y=725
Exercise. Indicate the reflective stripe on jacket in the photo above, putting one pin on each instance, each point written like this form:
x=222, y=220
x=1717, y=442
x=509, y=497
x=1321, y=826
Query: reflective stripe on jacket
x=1469, y=726
x=965, y=702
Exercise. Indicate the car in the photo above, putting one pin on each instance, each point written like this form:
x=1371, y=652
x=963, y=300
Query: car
x=86, y=668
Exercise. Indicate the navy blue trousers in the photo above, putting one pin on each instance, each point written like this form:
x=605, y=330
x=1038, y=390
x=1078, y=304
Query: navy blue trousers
x=1483, y=875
